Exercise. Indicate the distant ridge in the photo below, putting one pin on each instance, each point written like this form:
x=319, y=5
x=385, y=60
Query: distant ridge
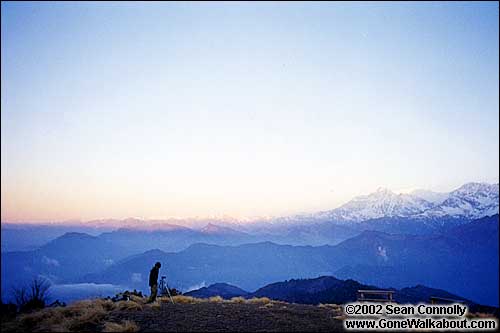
x=223, y=290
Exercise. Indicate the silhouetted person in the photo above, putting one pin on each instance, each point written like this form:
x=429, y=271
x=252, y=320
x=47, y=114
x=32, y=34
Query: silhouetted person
x=153, y=281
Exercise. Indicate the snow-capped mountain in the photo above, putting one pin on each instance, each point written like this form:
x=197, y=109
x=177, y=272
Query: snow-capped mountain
x=470, y=201
x=382, y=203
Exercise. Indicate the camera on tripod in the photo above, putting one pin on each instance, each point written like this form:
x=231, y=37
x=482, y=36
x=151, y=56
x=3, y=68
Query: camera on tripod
x=163, y=289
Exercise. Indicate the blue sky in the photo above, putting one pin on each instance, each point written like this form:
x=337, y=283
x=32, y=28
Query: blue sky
x=245, y=109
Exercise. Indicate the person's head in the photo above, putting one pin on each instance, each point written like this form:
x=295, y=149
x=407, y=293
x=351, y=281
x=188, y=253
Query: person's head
x=158, y=264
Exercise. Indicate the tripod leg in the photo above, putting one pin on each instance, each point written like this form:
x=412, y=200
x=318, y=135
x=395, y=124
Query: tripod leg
x=171, y=299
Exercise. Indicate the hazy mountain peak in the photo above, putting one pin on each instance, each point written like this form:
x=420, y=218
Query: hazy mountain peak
x=74, y=236
x=212, y=228
x=154, y=252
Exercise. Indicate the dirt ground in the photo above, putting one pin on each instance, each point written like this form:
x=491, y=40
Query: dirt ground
x=221, y=317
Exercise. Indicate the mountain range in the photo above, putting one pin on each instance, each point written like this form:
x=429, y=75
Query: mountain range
x=417, y=212
x=470, y=201
x=464, y=260
x=443, y=240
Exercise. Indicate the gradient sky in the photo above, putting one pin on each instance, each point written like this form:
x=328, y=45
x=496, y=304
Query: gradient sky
x=166, y=109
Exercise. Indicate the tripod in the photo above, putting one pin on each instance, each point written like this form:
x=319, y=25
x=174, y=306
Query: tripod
x=164, y=290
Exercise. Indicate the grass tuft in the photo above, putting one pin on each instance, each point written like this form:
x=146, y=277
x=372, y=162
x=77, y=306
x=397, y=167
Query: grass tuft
x=138, y=300
x=259, y=300
x=216, y=299
x=44, y=320
x=184, y=299
x=129, y=306
x=238, y=299
x=125, y=326
x=79, y=316
x=155, y=306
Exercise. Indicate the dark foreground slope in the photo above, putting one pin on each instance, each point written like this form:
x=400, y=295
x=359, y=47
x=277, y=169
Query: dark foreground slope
x=186, y=315
x=233, y=317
